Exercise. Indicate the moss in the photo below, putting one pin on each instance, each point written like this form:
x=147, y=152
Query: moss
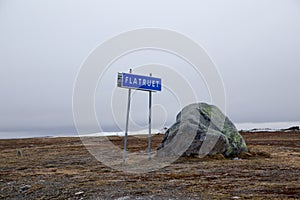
x=208, y=117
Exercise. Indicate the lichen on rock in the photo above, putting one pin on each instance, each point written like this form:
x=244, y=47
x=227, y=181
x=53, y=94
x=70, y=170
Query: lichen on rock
x=202, y=129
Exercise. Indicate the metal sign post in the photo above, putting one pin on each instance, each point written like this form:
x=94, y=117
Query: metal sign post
x=149, y=133
x=138, y=82
x=127, y=123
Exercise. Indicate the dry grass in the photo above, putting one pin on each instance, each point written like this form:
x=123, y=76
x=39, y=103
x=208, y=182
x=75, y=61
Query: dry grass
x=59, y=168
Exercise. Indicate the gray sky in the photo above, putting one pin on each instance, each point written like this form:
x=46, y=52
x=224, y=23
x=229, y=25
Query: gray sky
x=255, y=45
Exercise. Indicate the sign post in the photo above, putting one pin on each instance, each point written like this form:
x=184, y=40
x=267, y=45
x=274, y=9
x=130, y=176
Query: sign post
x=138, y=82
x=127, y=123
x=149, y=133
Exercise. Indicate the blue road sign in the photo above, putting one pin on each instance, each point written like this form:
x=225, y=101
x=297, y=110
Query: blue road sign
x=138, y=82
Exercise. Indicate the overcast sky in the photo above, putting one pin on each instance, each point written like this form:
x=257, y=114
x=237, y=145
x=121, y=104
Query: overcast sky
x=255, y=45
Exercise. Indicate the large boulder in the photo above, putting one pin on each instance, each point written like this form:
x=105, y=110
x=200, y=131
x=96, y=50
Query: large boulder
x=201, y=129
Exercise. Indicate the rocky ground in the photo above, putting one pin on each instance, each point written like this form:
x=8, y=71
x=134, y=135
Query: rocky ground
x=61, y=168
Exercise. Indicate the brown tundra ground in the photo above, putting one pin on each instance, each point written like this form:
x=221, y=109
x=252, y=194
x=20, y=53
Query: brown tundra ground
x=61, y=168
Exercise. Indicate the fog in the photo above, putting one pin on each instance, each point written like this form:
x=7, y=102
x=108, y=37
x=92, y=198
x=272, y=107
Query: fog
x=254, y=44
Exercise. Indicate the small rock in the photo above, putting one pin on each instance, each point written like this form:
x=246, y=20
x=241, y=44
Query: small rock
x=25, y=187
x=124, y=198
x=19, y=153
x=79, y=193
x=235, y=197
x=236, y=158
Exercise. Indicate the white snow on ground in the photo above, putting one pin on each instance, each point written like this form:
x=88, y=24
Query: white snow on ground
x=141, y=132
x=269, y=126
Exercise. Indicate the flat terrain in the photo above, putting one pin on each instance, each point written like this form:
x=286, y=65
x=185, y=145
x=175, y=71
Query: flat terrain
x=61, y=168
